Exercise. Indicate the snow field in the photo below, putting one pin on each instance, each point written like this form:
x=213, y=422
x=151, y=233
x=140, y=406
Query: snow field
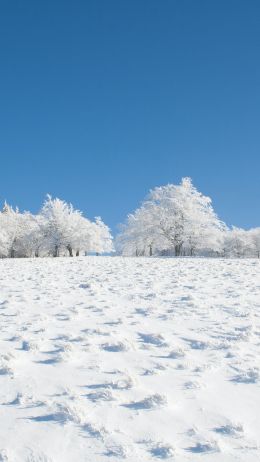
x=136, y=359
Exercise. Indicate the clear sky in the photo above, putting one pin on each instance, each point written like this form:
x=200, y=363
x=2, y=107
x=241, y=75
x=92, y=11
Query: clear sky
x=101, y=100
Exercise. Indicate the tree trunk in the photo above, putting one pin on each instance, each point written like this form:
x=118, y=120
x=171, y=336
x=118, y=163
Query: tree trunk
x=177, y=250
x=150, y=251
x=69, y=248
x=56, y=251
x=77, y=253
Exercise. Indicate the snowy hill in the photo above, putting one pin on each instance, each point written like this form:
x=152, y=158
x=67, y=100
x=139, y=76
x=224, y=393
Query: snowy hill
x=106, y=359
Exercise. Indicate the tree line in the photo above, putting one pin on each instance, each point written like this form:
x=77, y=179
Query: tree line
x=58, y=230
x=173, y=220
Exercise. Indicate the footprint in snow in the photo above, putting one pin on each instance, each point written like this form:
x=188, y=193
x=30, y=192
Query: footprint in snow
x=48, y=361
x=116, y=451
x=85, y=286
x=197, y=344
x=249, y=376
x=94, y=430
x=192, y=385
x=4, y=457
x=186, y=298
x=37, y=457
x=6, y=370
x=29, y=345
x=25, y=401
x=121, y=384
x=162, y=451
x=177, y=353
x=113, y=323
x=62, y=317
x=153, y=339
x=15, y=338
x=207, y=447
x=142, y=311
x=233, y=430
x=151, y=402
x=3, y=304
x=104, y=395
x=115, y=347
x=62, y=414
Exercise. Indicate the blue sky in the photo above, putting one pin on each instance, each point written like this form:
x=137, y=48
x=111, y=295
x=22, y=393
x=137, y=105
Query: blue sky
x=102, y=100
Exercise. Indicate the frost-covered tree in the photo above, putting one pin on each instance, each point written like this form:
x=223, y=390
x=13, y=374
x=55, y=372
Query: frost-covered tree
x=13, y=227
x=101, y=238
x=58, y=229
x=64, y=228
x=174, y=218
x=140, y=235
x=238, y=243
x=4, y=241
x=33, y=242
x=254, y=236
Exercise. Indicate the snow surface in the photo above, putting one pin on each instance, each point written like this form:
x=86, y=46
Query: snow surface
x=111, y=358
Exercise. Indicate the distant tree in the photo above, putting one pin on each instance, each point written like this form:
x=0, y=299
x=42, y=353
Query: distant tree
x=174, y=218
x=64, y=228
x=101, y=239
x=254, y=235
x=238, y=243
x=13, y=225
x=4, y=240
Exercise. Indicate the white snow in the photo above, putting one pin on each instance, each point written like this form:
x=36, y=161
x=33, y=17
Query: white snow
x=136, y=359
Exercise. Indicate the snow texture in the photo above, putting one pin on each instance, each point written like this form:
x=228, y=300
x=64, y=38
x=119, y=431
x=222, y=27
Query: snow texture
x=135, y=359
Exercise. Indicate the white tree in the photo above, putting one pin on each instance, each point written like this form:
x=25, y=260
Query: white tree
x=13, y=225
x=173, y=218
x=4, y=240
x=32, y=243
x=141, y=235
x=64, y=228
x=254, y=235
x=238, y=243
x=101, y=239
x=187, y=218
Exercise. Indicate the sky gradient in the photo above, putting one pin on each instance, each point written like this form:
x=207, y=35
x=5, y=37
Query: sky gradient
x=102, y=100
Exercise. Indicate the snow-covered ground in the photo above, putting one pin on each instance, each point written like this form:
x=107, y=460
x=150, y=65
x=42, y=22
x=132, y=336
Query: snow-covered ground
x=106, y=359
